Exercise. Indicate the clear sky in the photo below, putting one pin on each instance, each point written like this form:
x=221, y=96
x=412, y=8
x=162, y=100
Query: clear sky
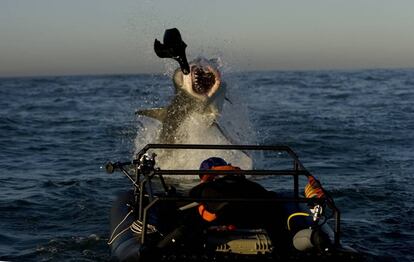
x=61, y=37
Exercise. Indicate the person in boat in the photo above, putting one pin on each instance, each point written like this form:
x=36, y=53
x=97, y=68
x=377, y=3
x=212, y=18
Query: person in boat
x=242, y=213
x=245, y=214
x=226, y=215
x=229, y=215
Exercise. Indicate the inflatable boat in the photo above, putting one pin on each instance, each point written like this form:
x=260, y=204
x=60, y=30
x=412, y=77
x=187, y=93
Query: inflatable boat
x=154, y=221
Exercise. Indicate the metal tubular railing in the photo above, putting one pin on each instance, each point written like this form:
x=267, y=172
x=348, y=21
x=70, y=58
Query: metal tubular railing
x=279, y=148
x=233, y=172
x=297, y=170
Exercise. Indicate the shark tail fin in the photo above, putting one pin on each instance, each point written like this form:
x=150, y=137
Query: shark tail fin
x=156, y=113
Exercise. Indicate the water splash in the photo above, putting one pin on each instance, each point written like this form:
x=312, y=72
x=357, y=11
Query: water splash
x=199, y=129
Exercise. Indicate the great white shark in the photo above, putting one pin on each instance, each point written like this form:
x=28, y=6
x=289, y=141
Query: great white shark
x=193, y=114
x=201, y=92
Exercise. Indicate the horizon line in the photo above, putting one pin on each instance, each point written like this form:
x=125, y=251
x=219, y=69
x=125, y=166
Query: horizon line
x=232, y=72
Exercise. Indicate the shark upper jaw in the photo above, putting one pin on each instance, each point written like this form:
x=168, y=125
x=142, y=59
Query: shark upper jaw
x=203, y=81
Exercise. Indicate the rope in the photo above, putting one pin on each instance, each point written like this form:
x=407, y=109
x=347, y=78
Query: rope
x=135, y=227
x=112, y=238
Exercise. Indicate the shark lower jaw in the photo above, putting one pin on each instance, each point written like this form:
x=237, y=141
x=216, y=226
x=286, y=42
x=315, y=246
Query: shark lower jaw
x=205, y=80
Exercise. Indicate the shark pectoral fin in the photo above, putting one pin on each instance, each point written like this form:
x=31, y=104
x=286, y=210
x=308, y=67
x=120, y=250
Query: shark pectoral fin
x=228, y=99
x=157, y=113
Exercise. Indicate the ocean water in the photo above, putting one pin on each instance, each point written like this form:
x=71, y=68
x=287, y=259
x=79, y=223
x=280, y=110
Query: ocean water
x=353, y=129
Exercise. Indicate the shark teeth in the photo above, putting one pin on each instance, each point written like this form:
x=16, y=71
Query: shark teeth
x=203, y=80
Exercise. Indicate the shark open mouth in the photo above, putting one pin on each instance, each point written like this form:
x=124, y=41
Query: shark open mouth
x=203, y=79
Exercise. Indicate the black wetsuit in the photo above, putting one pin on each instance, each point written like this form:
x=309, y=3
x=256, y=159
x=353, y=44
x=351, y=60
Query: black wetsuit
x=240, y=213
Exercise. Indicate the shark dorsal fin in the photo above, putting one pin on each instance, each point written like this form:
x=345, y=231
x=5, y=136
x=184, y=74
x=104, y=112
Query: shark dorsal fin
x=157, y=113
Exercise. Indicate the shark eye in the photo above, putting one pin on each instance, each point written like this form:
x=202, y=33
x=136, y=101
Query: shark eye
x=203, y=80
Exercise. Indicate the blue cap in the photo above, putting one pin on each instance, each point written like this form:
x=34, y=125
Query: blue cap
x=212, y=161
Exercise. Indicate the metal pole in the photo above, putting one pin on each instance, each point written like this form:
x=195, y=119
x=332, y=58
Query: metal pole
x=296, y=180
x=337, y=236
x=144, y=221
x=141, y=197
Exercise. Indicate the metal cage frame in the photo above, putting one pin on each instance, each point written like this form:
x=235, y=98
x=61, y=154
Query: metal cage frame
x=143, y=175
